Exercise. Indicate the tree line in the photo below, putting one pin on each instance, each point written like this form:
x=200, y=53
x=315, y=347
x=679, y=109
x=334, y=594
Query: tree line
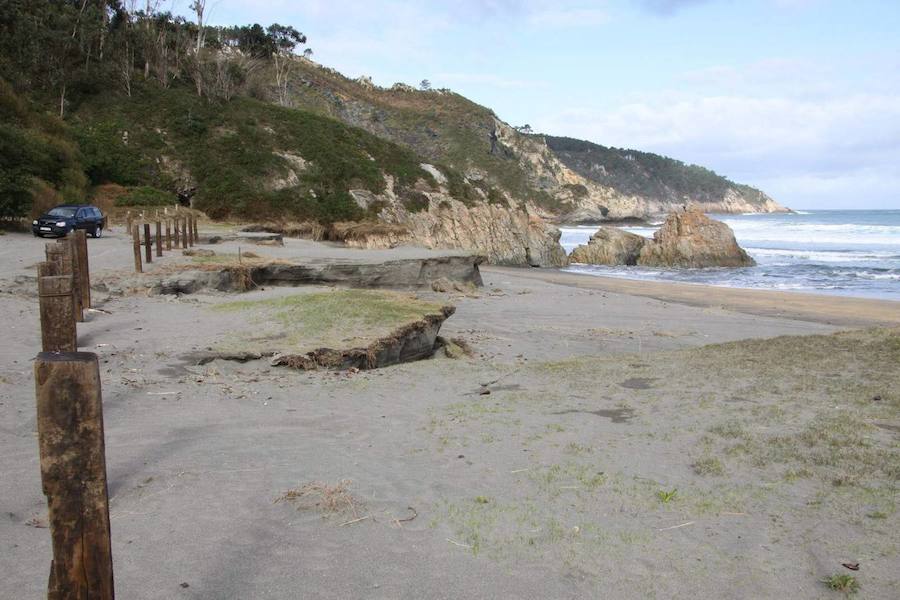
x=62, y=49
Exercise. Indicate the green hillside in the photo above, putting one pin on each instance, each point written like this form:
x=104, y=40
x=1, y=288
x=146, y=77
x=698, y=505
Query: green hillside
x=643, y=174
x=39, y=159
x=439, y=125
x=227, y=156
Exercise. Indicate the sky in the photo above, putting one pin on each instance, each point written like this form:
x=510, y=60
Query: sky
x=800, y=98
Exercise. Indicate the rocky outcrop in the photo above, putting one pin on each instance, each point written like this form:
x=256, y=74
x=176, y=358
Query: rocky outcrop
x=610, y=246
x=417, y=273
x=691, y=239
x=506, y=236
x=505, y=233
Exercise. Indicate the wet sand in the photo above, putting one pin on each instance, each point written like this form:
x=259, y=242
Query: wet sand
x=820, y=308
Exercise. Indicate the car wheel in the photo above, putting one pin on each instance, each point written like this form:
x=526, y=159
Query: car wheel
x=98, y=231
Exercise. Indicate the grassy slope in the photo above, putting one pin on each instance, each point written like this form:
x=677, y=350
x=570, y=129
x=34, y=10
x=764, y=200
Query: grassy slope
x=38, y=159
x=445, y=128
x=231, y=149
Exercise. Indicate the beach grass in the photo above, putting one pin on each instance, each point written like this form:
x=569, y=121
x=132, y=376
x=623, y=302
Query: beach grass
x=803, y=427
x=332, y=319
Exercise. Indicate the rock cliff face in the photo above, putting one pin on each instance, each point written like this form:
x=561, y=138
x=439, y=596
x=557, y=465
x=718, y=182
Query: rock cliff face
x=505, y=234
x=691, y=239
x=610, y=246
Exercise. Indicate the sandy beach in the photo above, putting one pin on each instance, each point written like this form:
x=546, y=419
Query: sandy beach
x=605, y=438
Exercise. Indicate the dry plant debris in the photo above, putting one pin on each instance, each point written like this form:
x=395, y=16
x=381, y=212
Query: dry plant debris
x=328, y=498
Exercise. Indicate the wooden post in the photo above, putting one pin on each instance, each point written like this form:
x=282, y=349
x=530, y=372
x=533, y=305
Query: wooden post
x=175, y=227
x=158, y=239
x=57, y=308
x=136, y=242
x=73, y=475
x=168, y=234
x=72, y=266
x=196, y=232
x=184, y=233
x=128, y=220
x=148, y=249
x=47, y=269
x=57, y=256
x=84, y=271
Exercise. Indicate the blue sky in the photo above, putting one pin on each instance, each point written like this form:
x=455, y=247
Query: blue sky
x=798, y=97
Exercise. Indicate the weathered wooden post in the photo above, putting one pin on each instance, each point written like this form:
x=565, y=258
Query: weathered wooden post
x=84, y=271
x=158, y=239
x=175, y=227
x=59, y=258
x=148, y=249
x=57, y=308
x=59, y=263
x=184, y=234
x=128, y=220
x=73, y=475
x=136, y=242
x=192, y=225
x=168, y=234
x=71, y=266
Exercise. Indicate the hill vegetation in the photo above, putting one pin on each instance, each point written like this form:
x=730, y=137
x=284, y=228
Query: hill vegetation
x=643, y=174
x=240, y=123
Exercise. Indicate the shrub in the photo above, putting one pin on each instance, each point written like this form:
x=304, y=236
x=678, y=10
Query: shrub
x=146, y=196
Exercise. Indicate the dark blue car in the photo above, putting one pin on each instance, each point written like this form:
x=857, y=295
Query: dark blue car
x=68, y=217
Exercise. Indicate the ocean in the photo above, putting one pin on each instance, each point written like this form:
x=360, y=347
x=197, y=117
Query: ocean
x=846, y=252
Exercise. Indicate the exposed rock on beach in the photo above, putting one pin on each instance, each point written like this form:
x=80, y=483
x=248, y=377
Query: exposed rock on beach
x=610, y=246
x=687, y=239
x=691, y=239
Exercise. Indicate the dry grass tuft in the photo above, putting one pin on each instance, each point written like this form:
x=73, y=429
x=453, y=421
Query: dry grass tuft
x=327, y=498
x=304, y=230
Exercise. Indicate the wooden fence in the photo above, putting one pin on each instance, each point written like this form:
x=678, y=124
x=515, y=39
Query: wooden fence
x=70, y=407
x=70, y=429
x=180, y=230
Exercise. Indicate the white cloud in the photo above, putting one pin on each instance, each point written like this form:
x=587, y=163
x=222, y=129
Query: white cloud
x=785, y=141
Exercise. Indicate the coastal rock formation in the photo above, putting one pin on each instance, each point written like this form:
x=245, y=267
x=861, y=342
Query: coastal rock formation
x=507, y=236
x=610, y=246
x=691, y=239
x=506, y=233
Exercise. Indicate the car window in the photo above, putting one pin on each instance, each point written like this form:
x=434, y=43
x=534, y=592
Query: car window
x=61, y=212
